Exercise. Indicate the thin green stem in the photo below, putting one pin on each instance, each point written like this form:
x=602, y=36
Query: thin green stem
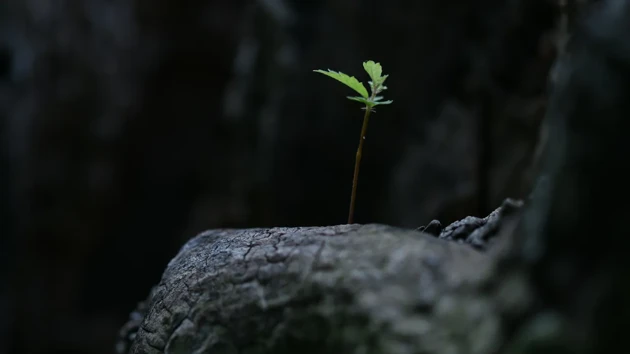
x=357, y=164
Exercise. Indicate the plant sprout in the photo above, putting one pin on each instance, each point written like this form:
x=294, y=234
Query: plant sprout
x=375, y=71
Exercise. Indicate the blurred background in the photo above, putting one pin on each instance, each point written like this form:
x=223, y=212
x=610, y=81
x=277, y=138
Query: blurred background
x=129, y=126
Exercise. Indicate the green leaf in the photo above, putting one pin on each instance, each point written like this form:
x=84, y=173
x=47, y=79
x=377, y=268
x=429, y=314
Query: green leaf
x=349, y=81
x=379, y=84
x=362, y=100
x=383, y=78
x=374, y=70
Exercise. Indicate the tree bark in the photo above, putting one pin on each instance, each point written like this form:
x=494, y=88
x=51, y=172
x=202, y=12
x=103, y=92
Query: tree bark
x=342, y=289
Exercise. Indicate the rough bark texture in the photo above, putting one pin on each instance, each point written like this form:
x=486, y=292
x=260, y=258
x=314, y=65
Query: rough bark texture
x=342, y=289
x=547, y=287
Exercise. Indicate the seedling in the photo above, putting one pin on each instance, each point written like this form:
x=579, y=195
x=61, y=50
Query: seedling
x=375, y=71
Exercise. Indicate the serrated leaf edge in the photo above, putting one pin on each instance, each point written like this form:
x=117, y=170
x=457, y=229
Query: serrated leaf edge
x=337, y=75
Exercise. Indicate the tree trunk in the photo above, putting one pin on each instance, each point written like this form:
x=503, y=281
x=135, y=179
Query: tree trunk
x=338, y=289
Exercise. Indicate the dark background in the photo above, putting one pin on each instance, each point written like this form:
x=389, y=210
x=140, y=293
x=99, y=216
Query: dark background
x=128, y=126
